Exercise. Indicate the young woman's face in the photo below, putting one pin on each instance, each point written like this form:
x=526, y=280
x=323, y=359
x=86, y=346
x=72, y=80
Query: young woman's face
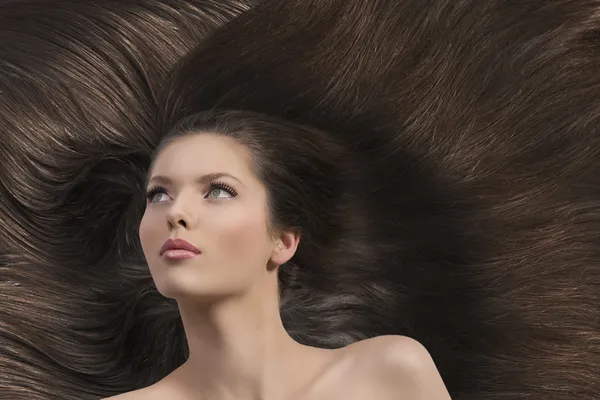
x=201, y=190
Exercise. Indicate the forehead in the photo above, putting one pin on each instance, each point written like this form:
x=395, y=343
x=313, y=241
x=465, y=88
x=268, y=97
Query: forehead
x=203, y=154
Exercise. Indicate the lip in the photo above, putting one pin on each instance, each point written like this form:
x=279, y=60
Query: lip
x=178, y=249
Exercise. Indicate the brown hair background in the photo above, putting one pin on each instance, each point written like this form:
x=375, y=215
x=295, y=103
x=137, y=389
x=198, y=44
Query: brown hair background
x=477, y=124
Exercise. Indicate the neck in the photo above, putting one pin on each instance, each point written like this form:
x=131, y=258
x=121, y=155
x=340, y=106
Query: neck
x=239, y=348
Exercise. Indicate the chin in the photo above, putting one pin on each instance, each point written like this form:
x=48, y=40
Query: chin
x=191, y=289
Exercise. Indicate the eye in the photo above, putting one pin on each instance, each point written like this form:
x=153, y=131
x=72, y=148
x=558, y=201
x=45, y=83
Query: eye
x=220, y=190
x=156, y=193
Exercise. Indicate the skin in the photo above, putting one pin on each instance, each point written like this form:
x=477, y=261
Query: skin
x=228, y=295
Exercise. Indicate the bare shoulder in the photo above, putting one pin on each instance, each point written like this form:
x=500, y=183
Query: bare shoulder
x=397, y=365
x=394, y=351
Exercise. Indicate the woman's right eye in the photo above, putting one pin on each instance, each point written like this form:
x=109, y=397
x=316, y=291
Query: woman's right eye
x=154, y=195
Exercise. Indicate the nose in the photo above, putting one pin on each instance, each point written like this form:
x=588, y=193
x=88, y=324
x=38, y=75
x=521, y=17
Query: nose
x=178, y=217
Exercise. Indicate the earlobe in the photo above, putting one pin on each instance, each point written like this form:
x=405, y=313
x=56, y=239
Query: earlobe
x=285, y=247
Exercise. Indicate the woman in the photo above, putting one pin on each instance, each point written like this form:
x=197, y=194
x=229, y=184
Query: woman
x=476, y=121
x=233, y=197
x=478, y=125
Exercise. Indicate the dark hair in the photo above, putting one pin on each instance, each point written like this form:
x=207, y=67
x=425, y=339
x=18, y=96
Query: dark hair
x=80, y=317
x=476, y=125
x=313, y=185
x=478, y=121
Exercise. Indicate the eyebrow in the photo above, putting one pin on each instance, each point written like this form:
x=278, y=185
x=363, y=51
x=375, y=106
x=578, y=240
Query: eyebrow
x=203, y=179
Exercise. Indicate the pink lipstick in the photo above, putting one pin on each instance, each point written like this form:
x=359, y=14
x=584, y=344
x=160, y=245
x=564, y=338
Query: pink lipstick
x=178, y=249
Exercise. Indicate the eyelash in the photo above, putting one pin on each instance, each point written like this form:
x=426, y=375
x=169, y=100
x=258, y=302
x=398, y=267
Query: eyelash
x=223, y=186
x=213, y=185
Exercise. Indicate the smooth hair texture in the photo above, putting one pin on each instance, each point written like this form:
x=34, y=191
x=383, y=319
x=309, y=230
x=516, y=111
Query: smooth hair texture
x=479, y=123
x=476, y=126
x=314, y=186
x=80, y=317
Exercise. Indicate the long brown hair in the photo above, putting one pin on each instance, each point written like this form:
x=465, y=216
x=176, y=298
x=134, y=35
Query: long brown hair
x=80, y=318
x=478, y=125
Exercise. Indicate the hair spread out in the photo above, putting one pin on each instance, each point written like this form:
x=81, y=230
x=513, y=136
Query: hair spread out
x=80, y=317
x=477, y=125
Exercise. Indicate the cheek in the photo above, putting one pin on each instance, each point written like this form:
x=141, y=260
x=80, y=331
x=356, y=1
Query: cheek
x=245, y=237
x=149, y=233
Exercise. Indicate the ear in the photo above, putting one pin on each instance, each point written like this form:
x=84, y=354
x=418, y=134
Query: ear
x=285, y=246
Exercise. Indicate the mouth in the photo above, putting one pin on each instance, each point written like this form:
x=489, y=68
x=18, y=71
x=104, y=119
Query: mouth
x=178, y=249
x=178, y=254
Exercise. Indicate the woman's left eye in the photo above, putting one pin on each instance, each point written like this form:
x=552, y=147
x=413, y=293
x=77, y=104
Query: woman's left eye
x=220, y=191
